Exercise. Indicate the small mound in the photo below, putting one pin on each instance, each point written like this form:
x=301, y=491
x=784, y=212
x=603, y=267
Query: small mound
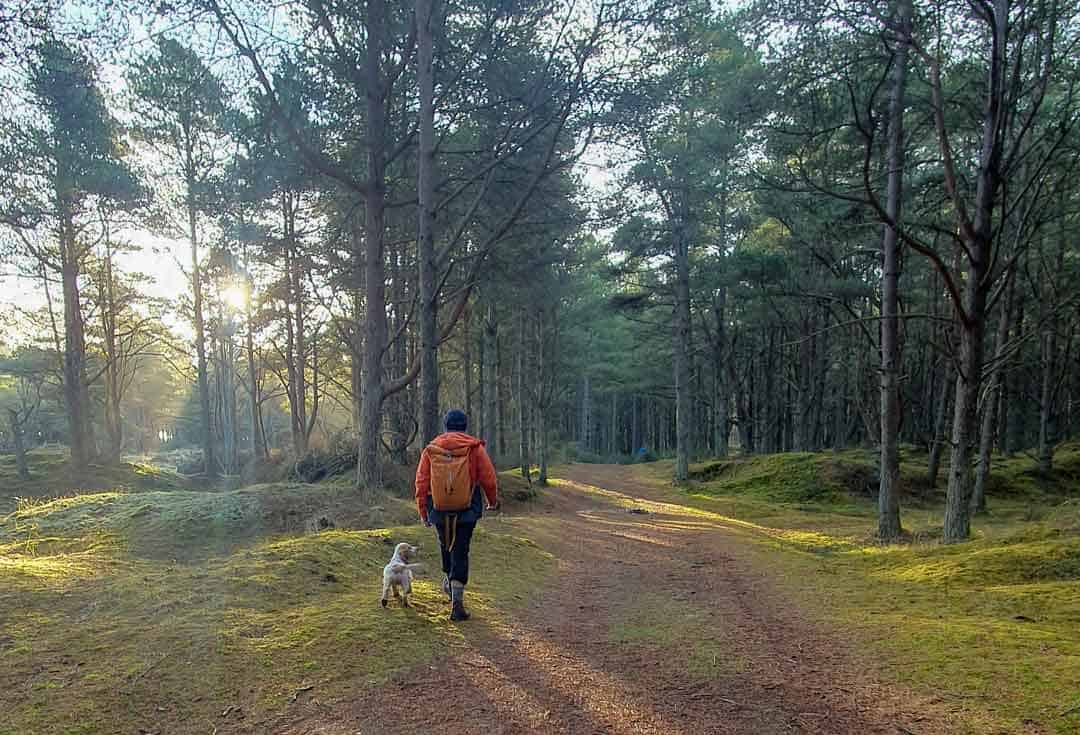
x=193, y=525
x=51, y=477
x=795, y=477
x=1023, y=562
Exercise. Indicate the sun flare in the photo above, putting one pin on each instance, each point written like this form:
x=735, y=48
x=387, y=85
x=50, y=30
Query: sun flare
x=235, y=296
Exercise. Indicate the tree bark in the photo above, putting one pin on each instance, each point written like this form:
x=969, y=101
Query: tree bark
x=978, y=238
x=210, y=466
x=1050, y=357
x=75, y=394
x=1015, y=409
x=429, y=359
x=889, y=528
x=114, y=428
x=523, y=400
x=258, y=441
x=490, y=396
x=369, y=470
x=937, y=441
x=22, y=467
x=542, y=398
x=682, y=355
x=990, y=402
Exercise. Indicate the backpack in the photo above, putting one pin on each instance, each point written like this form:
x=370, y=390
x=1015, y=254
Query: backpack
x=451, y=483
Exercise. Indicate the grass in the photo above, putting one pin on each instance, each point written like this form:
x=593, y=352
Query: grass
x=187, y=611
x=992, y=625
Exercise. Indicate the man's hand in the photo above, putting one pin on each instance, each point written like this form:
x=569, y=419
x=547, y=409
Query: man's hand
x=427, y=522
x=489, y=507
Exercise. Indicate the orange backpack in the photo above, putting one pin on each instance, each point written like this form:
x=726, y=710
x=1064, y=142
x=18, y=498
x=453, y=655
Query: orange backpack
x=451, y=485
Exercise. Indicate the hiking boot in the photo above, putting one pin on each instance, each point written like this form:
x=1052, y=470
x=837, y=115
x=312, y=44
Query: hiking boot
x=458, y=611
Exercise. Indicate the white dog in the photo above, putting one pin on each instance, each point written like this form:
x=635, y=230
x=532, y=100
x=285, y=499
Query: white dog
x=398, y=574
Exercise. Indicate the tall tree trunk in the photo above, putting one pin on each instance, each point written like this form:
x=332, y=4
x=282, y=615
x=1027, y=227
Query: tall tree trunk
x=429, y=358
x=978, y=235
x=482, y=379
x=1049, y=342
x=490, y=396
x=585, y=433
x=722, y=417
x=107, y=296
x=369, y=471
x=1015, y=410
x=523, y=400
x=229, y=424
x=258, y=441
x=468, y=367
x=990, y=402
x=682, y=356
x=965, y=409
x=501, y=423
x=937, y=440
x=889, y=528
x=542, y=393
x=210, y=465
x=1047, y=430
x=15, y=422
x=75, y=393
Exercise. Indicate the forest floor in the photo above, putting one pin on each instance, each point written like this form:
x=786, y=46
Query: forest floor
x=658, y=619
x=752, y=601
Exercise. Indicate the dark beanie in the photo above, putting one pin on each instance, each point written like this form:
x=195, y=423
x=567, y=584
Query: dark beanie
x=456, y=420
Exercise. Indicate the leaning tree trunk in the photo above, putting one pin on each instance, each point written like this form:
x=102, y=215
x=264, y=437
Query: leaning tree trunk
x=429, y=359
x=889, y=528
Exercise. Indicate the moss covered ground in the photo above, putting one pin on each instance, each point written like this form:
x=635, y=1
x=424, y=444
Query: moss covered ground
x=991, y=626
x=183, y=611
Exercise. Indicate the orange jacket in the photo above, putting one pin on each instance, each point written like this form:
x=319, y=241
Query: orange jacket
x=481, y=470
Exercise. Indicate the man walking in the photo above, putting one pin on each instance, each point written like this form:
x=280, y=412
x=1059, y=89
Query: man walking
x=453, y=480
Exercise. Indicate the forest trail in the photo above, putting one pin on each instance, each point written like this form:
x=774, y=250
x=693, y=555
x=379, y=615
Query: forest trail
x=656, y=622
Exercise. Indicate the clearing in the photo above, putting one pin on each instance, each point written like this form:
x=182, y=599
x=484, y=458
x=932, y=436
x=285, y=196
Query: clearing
x=613, y=603
x=658, y=619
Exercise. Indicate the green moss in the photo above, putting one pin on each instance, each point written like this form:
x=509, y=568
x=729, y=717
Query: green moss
x=51, y=476
x=102, y=634
x=193, y=524
x=995, y=618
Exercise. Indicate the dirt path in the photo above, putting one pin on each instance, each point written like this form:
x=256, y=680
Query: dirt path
x=555, y=669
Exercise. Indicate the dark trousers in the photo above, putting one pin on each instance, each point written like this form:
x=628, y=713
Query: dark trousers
x=454, y=539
